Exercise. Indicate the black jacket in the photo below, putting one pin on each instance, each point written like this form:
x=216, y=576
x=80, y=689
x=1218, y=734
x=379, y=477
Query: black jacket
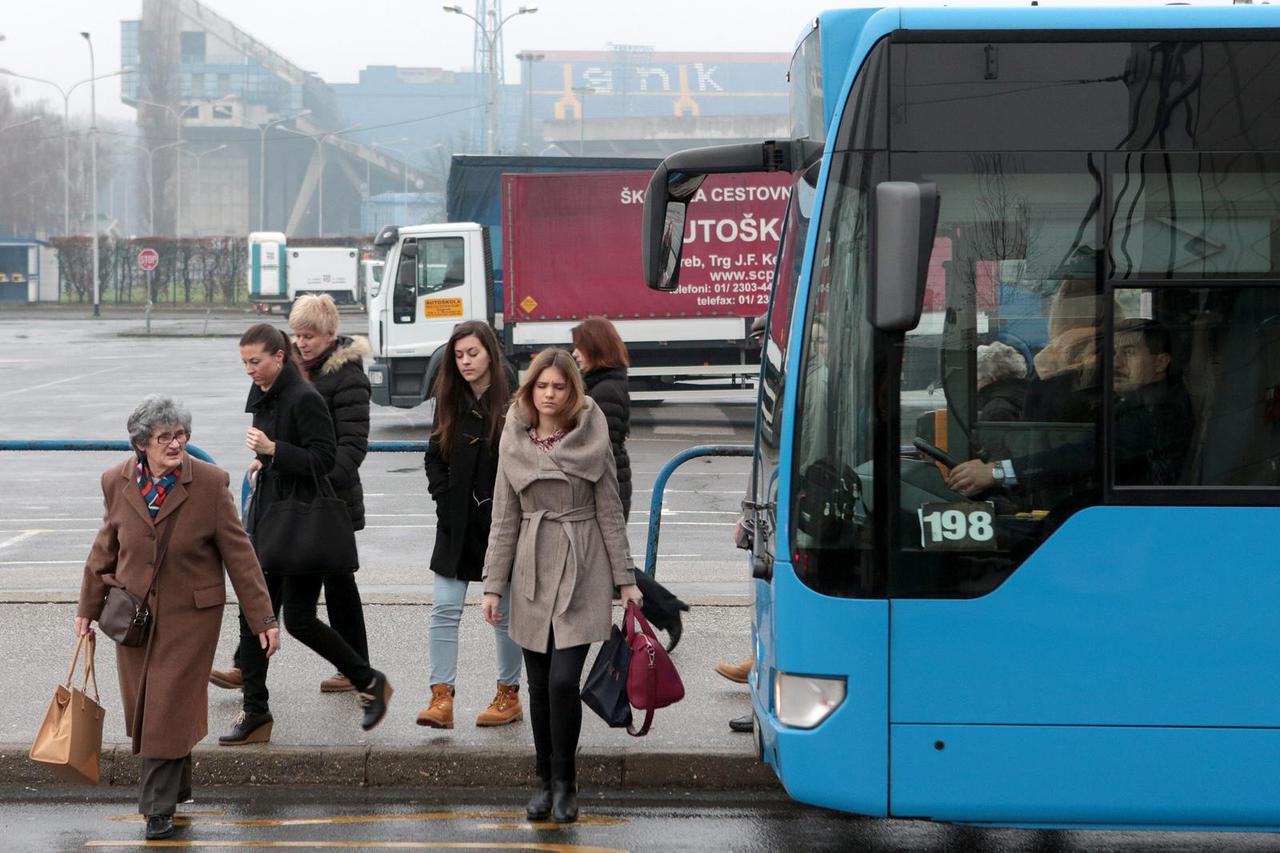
x=462, y=486
x=294, y=416
x=608, y=387
x=341, y=381
x=1002, y=400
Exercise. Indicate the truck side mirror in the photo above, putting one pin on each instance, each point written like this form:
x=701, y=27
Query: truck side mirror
x=906, y=218
x=407, y=273
x=409, y=250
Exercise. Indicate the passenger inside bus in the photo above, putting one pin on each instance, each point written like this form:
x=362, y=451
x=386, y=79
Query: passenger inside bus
x=1152, y=424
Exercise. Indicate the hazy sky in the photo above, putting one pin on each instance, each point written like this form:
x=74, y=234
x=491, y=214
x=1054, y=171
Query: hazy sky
x=336, y=38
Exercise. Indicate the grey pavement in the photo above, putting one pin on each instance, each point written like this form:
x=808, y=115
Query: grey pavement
x=73, y=377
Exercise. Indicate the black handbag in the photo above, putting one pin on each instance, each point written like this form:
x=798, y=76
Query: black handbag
x=126, y=618
x=297, y=537
x=605, y=690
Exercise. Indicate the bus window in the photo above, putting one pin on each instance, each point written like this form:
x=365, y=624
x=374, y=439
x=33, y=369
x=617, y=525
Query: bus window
x=1204, y=216
x=1196, y=391
x=831, y=495
x=1003, y=373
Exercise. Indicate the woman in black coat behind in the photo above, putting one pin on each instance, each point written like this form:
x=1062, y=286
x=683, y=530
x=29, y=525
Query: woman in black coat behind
x=293, y=439
x=602, y=355
x=472, y=391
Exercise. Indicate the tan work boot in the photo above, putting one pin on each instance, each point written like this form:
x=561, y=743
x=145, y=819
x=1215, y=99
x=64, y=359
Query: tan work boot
x=438, y=714
x=736, y=672
x=227, y=679
x=505, y=707
x=336, y=683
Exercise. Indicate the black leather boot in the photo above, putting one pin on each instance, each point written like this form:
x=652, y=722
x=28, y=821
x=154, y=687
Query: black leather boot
x=564, y=801
x=249, y=727
x=539, y=807
x=159, y=826
x=374, y=699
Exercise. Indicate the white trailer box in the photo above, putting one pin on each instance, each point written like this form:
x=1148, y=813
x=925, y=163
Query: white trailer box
x=335, y=271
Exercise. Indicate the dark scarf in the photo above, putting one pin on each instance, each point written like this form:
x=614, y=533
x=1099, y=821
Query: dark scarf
x=154, y=491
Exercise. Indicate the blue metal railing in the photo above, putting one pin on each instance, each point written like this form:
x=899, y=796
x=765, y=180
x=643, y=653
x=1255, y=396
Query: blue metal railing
x=374, y=447
x=660, y=485
x=86, y=445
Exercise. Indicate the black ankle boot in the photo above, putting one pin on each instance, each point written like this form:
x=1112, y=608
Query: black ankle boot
x=539, y=807
x=564, y=801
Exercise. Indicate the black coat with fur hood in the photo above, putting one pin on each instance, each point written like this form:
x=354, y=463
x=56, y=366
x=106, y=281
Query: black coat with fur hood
x=342, y=383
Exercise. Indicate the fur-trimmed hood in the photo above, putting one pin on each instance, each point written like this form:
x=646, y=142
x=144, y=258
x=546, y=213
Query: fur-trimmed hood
x=346, y=350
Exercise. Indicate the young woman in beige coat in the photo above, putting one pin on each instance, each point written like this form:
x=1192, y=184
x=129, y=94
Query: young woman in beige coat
x=558, y=538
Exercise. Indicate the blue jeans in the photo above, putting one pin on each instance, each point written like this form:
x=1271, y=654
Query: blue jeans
x=446, y=611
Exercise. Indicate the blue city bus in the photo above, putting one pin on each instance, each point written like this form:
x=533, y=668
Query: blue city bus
x=1061, y=610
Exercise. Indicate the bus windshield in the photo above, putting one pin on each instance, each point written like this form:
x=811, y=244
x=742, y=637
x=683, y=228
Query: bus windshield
x=1098, y=322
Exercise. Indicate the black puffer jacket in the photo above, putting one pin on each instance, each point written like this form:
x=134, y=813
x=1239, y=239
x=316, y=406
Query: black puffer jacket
x=608, y=387
x=342, y=383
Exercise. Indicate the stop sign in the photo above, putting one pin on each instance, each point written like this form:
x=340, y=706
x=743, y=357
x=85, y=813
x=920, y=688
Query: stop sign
x=148, y=259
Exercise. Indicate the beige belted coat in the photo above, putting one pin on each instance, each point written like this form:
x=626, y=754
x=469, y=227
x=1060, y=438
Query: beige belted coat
x=558, y=535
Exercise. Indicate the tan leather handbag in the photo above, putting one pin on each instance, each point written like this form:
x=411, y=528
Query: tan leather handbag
x=69, y=740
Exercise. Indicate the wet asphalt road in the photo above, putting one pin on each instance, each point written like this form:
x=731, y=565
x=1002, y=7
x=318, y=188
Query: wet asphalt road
x=388, y=819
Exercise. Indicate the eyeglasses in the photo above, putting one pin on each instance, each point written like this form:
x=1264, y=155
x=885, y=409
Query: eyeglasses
x=164, y=439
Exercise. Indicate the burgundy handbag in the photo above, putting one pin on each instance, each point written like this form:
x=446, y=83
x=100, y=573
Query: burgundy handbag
x=652, y=680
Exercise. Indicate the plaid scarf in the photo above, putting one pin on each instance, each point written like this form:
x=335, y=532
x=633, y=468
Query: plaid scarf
x=154, y=491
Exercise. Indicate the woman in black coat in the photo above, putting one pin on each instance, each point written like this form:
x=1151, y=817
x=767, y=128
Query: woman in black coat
x=602, y=356
x=293, y=438
x=334, y=365
x=471, y=392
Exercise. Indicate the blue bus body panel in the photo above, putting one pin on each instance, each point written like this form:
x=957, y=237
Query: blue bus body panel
x=1117, y=776
x=1137, y=642
x=844, y=762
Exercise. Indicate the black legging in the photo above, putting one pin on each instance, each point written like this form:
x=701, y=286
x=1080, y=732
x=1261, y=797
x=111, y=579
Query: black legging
x=555, y=707
x=299, y=595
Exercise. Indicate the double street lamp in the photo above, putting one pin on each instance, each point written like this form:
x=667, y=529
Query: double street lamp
x=198, y=158
x=262, y=160
x=490, y=33
x=66, y=131
x=93, y=168
x=177, y=117
x=318, y=139
x=390, y=146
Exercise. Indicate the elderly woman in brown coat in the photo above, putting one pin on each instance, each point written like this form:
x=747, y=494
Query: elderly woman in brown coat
x=558, y=538
x=163, y=682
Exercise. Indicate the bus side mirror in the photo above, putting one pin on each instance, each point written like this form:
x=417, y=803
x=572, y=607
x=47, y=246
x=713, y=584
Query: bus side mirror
x=906, y=218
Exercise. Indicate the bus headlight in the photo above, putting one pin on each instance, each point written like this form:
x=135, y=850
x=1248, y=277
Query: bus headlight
x=804, y=701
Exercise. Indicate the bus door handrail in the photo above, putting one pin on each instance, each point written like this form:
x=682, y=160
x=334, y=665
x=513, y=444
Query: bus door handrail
x=660, y=485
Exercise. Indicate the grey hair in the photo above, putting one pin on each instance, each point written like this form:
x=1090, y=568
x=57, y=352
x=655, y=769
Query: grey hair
x=156, y=410
x=998, y=361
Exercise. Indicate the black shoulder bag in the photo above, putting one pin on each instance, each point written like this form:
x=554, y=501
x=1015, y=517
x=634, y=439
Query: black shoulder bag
x=296, y=537
x=125, y=617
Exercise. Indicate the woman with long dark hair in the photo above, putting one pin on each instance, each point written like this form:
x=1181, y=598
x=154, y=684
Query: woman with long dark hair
x=472, y=391
x=293, y=441
x=601, y=354
x=557, y=549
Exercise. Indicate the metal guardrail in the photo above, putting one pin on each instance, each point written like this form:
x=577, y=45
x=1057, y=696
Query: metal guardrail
x=86, y=445
x=660, y=485
x=374, y=447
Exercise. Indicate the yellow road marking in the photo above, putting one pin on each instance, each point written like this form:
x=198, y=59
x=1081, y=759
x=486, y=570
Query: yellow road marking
x=583, y=820
x=360, y=845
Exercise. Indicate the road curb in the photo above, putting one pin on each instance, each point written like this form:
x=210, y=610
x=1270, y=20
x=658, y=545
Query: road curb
x=427, y=766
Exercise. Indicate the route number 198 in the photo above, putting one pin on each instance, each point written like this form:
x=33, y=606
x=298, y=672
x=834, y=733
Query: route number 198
x=959, y=526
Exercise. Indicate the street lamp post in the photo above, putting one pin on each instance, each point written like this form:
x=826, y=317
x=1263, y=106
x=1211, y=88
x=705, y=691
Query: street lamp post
x=490, y=34
x=198, y=158
x=177, y=117
x=318, y=139
x=93, y=178
x=66, y=131
x=582, y=92
x=262, y=161
x=528, y=59
x=388, y=145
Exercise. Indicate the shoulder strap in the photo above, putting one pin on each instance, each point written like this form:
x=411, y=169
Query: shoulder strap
x=648, y=712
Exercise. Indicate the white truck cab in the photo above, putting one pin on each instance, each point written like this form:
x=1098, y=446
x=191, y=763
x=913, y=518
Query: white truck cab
x=435, y=277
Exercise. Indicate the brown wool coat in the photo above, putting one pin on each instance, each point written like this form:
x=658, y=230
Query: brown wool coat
x=558, y=535
x=164, y=684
